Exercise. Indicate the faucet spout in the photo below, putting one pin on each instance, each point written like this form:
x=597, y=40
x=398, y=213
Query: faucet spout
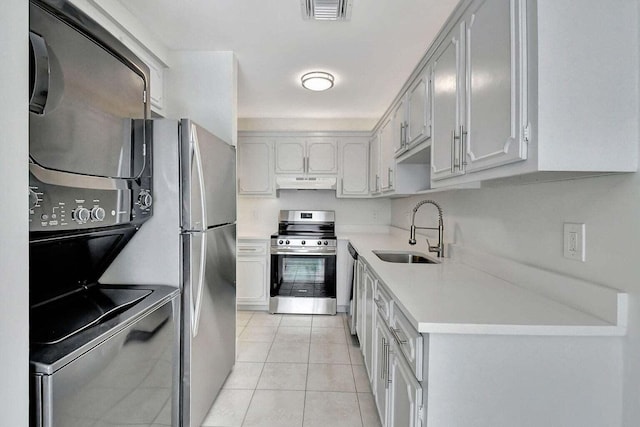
x=439, y=248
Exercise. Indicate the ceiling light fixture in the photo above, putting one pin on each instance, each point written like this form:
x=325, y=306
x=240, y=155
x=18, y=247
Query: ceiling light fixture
x=317, y=81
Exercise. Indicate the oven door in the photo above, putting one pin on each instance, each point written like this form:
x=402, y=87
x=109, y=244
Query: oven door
x=303, y=283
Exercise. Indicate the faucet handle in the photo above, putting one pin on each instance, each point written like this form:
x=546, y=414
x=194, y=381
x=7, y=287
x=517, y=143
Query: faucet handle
x=432, y=248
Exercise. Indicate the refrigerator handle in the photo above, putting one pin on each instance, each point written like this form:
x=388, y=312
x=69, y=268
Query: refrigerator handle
x=197, y=303
x=200, y=175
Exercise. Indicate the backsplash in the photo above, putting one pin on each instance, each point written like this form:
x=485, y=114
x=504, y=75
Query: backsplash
x=258, y=217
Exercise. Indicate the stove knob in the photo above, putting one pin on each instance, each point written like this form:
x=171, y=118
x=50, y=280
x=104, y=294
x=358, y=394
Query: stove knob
x=33, y=199
x=319, y=242
x=326, y=243
x=145, y=199
x=303, y=242
x=279, y=242
x=82, y=215
x=97, y=214
x=286, y=242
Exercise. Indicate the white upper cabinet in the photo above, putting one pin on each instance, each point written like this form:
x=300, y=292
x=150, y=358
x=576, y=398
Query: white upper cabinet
x=353, y=158
x=291, y=156
x=387, y=151
x=255, y=166
x=314, y=156
x=493, y=134
x=477, y=92
x=448, y=98
x=322, y=156
x=516, y=92
x=398, y=127
x=418, y=125
x=374, y=164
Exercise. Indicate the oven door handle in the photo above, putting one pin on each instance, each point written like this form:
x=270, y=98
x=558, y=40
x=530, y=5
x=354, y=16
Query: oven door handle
x=302, y=252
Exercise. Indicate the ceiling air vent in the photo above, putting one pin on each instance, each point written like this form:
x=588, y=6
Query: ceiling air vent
x=326, y=10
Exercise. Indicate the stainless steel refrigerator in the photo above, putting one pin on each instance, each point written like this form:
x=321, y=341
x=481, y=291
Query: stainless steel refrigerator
x=191, y=242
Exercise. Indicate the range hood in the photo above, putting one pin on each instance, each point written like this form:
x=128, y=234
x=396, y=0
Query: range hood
x=306, y=183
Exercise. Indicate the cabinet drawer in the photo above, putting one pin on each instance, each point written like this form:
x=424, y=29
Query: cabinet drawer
x=409, y=341
x=251, y=249
x=383, y=300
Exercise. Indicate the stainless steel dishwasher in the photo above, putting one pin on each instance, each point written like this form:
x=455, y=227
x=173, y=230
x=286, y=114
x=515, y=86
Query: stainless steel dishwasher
x=353, y=307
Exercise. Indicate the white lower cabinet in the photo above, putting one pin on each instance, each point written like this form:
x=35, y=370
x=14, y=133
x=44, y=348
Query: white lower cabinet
x=252, y=273
x=404, y=397
x=397, y=392
x=366, y=343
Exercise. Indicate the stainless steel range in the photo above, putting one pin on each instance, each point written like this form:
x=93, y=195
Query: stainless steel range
x=303, y=263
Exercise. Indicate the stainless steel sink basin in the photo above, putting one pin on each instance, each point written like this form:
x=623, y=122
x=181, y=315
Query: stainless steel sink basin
x=404, y=257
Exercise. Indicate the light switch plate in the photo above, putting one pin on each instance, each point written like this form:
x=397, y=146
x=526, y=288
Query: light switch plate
x=574, y=241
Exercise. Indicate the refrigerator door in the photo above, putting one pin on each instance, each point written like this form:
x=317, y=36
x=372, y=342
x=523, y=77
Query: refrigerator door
x=209, y=310
x=208, y=179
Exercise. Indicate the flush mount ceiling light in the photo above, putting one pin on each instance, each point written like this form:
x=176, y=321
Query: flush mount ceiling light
x=326, y=10
x=317, y=81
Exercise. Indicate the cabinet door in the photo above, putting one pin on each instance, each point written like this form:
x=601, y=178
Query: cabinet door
x=398, y=119
x=380, y=380
x=405, y=394
x=369, y=313
x=448, y=99
x=494, y=130
x=354, y=168
x=374, y=164
x=360, y=303
x=322, y=156
x=290, y=157
x=252, y=274
x=255, y=167
x=418, y=110
x=251, y=280
x=386, y=154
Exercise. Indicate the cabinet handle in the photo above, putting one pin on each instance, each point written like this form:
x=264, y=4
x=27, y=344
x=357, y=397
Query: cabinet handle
x=406, y=133
x=342, y=186
x=248, y=249
x=453, y=151
x=383, y=365
x=387, y=363
x=463, y=156
x=377, y=183
x=390, y=173
x=396, y=334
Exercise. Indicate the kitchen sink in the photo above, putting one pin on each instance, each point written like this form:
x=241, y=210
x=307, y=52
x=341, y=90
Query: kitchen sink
x=404, y=257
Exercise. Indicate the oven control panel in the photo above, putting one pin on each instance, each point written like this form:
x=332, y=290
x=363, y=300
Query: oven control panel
x=69, y=208
x=283, y=244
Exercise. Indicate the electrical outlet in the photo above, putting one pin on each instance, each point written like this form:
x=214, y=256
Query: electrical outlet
x=574, y=241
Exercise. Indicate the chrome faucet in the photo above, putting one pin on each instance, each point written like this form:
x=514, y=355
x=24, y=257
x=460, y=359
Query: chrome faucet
x=439, y=249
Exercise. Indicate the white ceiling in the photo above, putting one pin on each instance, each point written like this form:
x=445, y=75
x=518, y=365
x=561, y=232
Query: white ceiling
x=371, y=55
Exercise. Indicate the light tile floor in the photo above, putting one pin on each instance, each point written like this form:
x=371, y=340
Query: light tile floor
x=295, y=371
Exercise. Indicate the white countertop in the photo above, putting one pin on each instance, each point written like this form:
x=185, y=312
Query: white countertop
x=454, y=298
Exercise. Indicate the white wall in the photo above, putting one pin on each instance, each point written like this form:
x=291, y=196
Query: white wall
x=203, y=86
x=258, y=217
x=525, y=223
x=14, y=252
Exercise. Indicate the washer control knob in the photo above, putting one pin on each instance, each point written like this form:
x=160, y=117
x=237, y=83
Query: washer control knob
x=326, y=242
x=303, y=242
x=82, y=215
x=280, y=242
x=98, y=214
x=286, y=242
x=33, y=199
x=145, y=200
x=319, y=242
